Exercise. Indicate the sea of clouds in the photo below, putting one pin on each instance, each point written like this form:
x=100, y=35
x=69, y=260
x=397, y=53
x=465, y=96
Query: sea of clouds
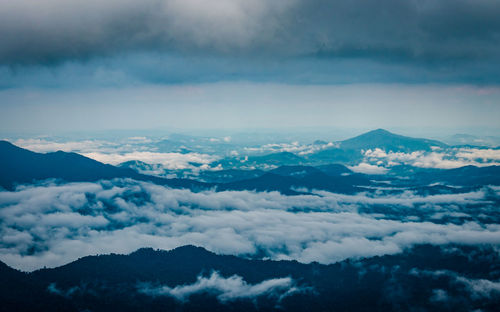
x=52, y=224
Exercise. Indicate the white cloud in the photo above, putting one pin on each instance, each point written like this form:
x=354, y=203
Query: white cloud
x=484, y=155
x=368, y=169
x=50, y=225
x=226, y=289
x=132, y=148
x=167, y=160
x=140, y=139
x=478, y=288
x=293, y=147
x=448, y=159
x=44, y=146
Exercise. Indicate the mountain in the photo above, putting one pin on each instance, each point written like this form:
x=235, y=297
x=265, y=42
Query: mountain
x=350, y=151
x=400, y=282
x=262, y=162
x=347, y=152
x=335, y=155
x=21, y=292
x=388, y=141
x=18, y=165
x=289, y=179
x=229, y=175
x=295, y=171
x=463, y=176
x=145, y=168
x=266, y=183
x=335, y=169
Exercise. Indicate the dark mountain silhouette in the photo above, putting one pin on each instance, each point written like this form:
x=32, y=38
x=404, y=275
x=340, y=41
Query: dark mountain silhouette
x=18, y=165
x=21, y=292
x=288, y=179
x=101, y=283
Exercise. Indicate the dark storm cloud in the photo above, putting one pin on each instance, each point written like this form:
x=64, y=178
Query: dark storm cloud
x=41, y=32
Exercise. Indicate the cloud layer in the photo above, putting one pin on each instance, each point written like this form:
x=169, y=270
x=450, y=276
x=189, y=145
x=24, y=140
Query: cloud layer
x=49, y=225
x=52, y=30
x=167, y=160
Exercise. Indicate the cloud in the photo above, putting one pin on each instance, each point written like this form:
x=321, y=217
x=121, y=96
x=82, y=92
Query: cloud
x=368, y=169
x=445, y=159
x=129, y=149
x=167, y=160
x=52, y=288
x=439, y=295
x=49, y=225
x=483, y=155
x=480, y=288
x=101, y=28
x=477, y=288
x=389, y=29
x=226, y=289
x=294, y=147
x=44, y=146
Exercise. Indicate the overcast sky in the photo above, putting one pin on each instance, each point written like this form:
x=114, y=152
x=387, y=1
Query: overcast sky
x=78, y=65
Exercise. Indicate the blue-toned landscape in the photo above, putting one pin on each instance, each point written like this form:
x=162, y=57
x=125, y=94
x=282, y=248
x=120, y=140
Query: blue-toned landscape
x=403, y=222
x=250, y=155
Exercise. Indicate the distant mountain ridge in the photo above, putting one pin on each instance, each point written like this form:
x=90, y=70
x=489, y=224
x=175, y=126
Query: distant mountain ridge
x=389, y=141
x=18, y=165
x=284, y=171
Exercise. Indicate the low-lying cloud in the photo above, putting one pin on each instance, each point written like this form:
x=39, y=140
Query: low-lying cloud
x=226, y=289
x=477, y=288
x=442, y=159
x=368, y=169
x=172, y=161
x=293, y=147
x=46, y=145
x=49, y=225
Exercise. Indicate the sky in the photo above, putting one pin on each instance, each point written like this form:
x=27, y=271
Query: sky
x=229, y=64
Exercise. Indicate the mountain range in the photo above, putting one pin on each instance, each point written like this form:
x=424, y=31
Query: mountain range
x=18, y=166
x=387, y=283
x=286, y=171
